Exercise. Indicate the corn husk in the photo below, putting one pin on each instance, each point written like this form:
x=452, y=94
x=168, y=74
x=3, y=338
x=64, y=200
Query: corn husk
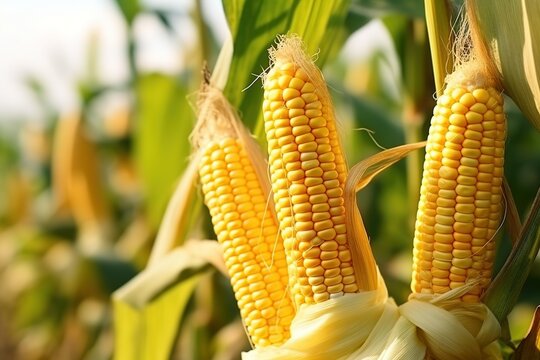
x=175, y=221
x=513, y=221
x=335, y=328
x=369, y=325
x=511, y=32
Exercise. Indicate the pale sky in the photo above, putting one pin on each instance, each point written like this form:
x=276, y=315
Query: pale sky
x=48, y=40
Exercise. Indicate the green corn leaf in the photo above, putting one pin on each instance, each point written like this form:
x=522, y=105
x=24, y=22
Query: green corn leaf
x=164, y=122
x=148, y=310
x=378, y=8
x=254, y=26
x=129, y=9
x=373, y=116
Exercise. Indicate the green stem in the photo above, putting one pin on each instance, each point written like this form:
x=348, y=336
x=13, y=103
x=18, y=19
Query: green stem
x=132, y=52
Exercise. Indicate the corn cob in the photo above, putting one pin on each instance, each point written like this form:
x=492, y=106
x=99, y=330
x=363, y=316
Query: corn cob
x=461, y=203
x=308, y=173
x=247, y=229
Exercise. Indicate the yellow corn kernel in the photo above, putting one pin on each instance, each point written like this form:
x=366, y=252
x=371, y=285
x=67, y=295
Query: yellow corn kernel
x=315, y=185
x=253, y=250
x=463, y=191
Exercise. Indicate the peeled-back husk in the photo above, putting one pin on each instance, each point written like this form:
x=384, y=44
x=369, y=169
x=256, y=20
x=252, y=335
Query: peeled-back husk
x=369, y=325
x=510, y=31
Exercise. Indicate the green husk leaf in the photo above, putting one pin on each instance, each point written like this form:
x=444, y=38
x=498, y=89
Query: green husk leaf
x=504, y=291
x=512, y=215
x=511, y=31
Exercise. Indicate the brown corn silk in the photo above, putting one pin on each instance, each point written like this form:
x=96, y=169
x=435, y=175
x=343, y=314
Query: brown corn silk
x=236, y=192
x=308, y=173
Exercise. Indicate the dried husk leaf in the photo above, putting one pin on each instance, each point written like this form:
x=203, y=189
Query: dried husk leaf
x=176, y=218
x=511, y=32
x=359, y=176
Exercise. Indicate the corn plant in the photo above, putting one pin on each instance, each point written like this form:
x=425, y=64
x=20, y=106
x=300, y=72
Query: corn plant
x=253, y=205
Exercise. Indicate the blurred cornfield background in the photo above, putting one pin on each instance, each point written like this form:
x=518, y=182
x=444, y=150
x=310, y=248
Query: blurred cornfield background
x=83, y=189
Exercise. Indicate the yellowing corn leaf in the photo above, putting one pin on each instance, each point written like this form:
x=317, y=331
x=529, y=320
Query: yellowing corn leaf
x=511, y=31
x=76, y=182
